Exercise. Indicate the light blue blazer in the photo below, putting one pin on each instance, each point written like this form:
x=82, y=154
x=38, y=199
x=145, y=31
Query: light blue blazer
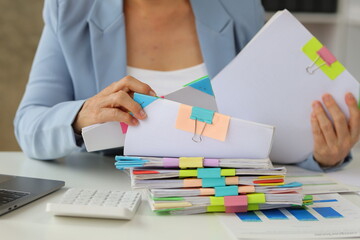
x=82, y=50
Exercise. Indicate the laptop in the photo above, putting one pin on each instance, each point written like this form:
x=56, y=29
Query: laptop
x=16, y=191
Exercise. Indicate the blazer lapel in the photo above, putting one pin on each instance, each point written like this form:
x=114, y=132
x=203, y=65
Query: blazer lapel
x=215, y=29
x=108, y=41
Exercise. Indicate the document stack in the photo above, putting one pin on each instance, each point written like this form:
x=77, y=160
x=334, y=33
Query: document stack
x=191, y=185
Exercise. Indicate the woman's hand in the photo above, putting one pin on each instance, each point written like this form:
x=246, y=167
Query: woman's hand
x=113, y=104
x=333, y=141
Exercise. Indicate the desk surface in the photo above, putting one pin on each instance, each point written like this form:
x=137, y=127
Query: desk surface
x=87, y=170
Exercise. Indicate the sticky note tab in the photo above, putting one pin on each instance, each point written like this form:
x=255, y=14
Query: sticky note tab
x=252, y=207
x=290, y=185
x=144, y=100
x=216, y=201
x=208, y=172
x=213, y=182
x=311, y=49
x=232, y=180
x=217, y=130
x=215, y=209
x=170, y=162
x=211, y=162
x=202, y=114
x=256, y=198
x=191, y=162
x=226, y=191
x=236, y=203
x=192, y=182
x=246, y=189
x=207, y=191
x=188, y=173
x=326, y=55
x=228, y=172
x=124, y=127
x=202, y=84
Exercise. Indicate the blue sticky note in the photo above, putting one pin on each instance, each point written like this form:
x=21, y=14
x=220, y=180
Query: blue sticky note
x=213, y=182
x=202, y=114
x=226, y=191
x=144, y=100
x=209, y=172
x=203, y=84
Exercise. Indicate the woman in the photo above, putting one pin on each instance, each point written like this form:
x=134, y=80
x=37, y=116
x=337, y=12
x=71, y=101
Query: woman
x=86, y=46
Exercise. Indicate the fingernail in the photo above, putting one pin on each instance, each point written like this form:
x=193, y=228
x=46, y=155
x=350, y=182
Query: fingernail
x=152, y=93
x=327, y=98
x=135, y=122
x=315, y=104
x=349, y=96
x=142, y=114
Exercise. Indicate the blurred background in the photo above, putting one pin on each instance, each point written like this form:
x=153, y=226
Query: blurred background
x=335, y=23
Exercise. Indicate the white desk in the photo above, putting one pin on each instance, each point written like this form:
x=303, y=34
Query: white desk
x=91, y=170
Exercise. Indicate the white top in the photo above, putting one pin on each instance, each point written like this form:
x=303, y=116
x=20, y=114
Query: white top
x=165, y=82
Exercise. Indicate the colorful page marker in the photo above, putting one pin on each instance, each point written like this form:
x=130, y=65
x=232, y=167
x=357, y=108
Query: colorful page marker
x=315, y=51
x=124, y=127
x=202, y=84
x=328, y=212
x=144, y=100
x=217, y=130
x=248, y=217
x=274, y=214
x=302, y=214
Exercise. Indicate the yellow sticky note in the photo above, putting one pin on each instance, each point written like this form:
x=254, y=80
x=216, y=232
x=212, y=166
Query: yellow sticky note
x=256, y=198
x=215, y=209
x=253, y=207
x=188, y=173
x=217, y=130
x=228, y=172
x=311, y=48
x=216, y=201
x=191, y=162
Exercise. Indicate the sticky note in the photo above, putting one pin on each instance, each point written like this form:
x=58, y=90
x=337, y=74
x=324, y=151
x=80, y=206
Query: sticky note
x=192, y=182
x=209, y=172
x=191, y=162
x=207, y=191
x=311, y=49
x=124, y=127
x=226, y=191
x=215, y=209
x=252, y=207
x=202, y=84
x=211, y=162
x=188, y=173
x=246, y=189
x=235, y=203
x=216, y=201
x=256, y=198
x=170, y=162
x=213, y=182
x=202, y=115
x=217, y=130
x=232, y=180
x=228, y=172
x=144, y=100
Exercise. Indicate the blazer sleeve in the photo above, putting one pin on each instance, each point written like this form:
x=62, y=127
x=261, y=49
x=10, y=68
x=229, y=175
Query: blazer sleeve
x=43, y=121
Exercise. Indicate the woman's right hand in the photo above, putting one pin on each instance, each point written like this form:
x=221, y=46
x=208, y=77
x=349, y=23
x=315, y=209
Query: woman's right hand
x=114, y=104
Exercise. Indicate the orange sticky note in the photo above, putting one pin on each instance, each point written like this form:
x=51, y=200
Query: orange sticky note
x=217, y=130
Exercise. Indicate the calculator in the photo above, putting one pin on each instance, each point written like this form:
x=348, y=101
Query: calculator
x=96, y=203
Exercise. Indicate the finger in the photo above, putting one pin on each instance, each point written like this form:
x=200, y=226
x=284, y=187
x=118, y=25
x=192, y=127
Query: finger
x=123, y=101
x=326, y=127
x=319, y=140
x=340, y=122
x=354, y=120
x=128, y=84
x=116, y=115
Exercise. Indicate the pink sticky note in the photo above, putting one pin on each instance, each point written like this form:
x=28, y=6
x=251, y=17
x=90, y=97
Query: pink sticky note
x=326, y=55
x=170, y=162
x=236, y=203
x=217, y=130
x=211, y=162
x=124, y=127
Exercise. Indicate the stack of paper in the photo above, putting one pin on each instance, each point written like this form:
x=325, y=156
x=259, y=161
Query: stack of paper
x=189, y=185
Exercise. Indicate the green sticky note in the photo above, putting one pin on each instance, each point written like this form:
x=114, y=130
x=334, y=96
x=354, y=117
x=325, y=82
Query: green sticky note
x=215, y=209
x=216, y=201
x=228, y=172
x=188, y=173
x=311, y=48
x=256, y=198
x=253, y=207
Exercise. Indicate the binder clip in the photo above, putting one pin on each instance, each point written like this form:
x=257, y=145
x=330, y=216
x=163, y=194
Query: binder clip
x=203, y=115
x=326, y=56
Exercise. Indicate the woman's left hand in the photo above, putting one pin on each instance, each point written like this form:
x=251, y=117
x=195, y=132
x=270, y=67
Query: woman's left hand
x=334, y=140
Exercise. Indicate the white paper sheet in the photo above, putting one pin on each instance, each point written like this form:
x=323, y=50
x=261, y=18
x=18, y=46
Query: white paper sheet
x=158, y=136
x=268, y=83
